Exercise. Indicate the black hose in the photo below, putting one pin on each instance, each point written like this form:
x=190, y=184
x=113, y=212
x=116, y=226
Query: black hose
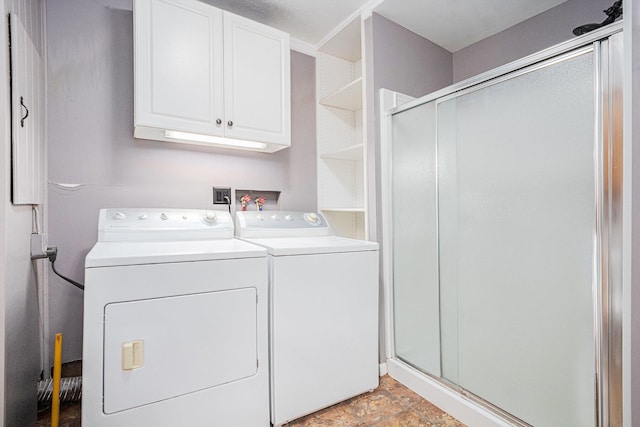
x=73, y=282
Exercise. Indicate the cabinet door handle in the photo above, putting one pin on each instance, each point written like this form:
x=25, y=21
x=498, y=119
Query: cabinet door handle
x=218, y=122
x=230, y=123
x=26, y=114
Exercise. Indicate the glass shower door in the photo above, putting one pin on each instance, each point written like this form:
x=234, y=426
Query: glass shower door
x=517, y=225
x=415, y=245
x=495, y=249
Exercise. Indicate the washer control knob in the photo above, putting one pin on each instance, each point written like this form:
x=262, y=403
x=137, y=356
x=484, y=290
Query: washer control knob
x=210, y=216
x=288, y=217
x=311, y=217
x=143, y=216
x=275, y=217
x=259, y=217
x=163, y=216
x=119, y=215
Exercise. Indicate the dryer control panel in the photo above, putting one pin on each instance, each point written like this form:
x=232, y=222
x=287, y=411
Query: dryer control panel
x=280, y=224
x=157, y=224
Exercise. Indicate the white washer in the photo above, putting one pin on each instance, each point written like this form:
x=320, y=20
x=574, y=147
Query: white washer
x=323, y=311
x=175, y=322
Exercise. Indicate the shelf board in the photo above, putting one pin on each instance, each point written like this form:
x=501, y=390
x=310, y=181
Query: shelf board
x=346, y=43
x=354, y=152
x=347, y=98
x=354, y=210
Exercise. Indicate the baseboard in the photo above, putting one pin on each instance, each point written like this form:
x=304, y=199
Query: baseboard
x=446, y=399
x=382, y=369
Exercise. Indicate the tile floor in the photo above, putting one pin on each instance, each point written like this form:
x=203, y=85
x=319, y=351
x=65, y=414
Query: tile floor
x=390, y=405
x=69, y=415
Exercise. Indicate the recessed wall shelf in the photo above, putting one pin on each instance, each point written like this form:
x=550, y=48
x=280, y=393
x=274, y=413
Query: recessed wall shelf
x=272, y=199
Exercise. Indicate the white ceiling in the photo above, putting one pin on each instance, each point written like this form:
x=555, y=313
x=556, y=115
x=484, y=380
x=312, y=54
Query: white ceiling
x=452, y=24
x=457, y=24
x=306, y=20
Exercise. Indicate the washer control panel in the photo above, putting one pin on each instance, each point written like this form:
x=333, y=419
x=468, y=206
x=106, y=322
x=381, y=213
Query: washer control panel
x=157, y=224
x=280, y=224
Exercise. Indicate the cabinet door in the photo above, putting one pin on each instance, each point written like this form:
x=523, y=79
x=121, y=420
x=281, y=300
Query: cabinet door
x=27, y=92
x=256, y=81
x=178, y=65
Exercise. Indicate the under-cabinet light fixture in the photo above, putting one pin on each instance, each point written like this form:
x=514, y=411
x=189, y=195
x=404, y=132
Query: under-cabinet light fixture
x=210, y=139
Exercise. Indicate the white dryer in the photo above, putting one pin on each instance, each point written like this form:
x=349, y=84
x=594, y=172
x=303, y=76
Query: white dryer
x=175, y=322
x=323, y=319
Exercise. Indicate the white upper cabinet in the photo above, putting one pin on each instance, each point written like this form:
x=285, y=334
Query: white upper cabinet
x=256, y=80
x=178, y=66
x=205, y=76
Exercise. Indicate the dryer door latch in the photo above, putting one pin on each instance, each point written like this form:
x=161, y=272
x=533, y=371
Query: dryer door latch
x=132, y=355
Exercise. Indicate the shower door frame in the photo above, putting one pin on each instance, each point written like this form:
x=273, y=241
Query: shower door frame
x=607, y=286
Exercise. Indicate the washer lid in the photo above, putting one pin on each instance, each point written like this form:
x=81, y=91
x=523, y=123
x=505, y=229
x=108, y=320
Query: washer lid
x=109, y=254
x=283, y=246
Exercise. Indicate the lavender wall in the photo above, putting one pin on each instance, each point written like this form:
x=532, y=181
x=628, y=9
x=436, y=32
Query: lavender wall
x=406, y=62
x=540, y=32
x=94, y=162
x=399, y=60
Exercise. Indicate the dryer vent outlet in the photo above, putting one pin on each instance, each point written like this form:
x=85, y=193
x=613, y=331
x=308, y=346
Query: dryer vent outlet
x=221, y=196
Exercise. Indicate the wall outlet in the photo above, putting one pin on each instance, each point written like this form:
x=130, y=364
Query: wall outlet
x=221, y=196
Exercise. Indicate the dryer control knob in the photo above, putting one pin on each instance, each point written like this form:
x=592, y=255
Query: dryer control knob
x=119, y=215
x=143, y=216
x=288, y=217
x=312, y=217
x=275, y=217
x=259, y=217
x=163, y=216
x=210, y=216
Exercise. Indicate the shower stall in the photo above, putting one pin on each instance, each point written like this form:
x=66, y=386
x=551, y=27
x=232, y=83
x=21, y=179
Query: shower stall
x=503, y=240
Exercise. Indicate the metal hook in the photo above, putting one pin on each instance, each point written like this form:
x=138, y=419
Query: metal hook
x=26, y=115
